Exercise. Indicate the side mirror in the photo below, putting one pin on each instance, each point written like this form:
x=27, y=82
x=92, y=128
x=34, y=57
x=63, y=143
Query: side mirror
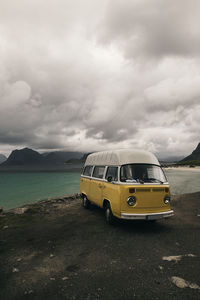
x=109, y=178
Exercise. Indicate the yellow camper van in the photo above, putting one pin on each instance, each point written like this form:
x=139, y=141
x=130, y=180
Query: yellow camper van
x=127, y=184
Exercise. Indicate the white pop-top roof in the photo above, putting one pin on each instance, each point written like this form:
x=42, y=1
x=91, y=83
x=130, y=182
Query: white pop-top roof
x=121, y=157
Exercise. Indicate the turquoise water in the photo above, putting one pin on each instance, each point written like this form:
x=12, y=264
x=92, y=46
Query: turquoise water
x=19, y=188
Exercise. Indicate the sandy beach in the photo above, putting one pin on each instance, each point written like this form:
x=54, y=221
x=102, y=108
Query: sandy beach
x=183, y=168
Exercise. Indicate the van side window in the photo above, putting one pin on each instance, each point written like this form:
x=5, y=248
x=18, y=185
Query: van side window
x=112, y=171
x=87, y=171
x=98, y=172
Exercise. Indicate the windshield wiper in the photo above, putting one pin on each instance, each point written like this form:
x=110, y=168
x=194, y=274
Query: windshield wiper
x=155, y=179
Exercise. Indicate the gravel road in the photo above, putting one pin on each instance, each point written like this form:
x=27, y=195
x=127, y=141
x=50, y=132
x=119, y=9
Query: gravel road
x=58, y=250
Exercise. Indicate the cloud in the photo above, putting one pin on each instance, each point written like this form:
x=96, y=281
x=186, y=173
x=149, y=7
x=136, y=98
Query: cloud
x=173, y=92
x=153, y=28
x=92, y=75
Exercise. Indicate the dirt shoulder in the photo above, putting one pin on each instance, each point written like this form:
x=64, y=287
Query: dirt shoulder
x=57, y=250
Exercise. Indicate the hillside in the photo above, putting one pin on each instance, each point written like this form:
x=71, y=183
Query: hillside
x=193, y=158
x=24, y=156
x=2, y=158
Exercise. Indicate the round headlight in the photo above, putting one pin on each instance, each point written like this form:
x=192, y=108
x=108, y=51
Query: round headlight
x=131, y=200
x=167, y=199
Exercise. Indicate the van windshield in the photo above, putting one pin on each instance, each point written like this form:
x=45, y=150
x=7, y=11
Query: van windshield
x=142, y=173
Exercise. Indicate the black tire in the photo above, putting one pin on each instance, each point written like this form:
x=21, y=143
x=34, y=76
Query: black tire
x=110, y=219
x=153, y=221
x=85, y=202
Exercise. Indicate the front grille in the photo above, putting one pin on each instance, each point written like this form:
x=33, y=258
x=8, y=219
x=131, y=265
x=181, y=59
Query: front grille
x=142, y=190
x=158, y=190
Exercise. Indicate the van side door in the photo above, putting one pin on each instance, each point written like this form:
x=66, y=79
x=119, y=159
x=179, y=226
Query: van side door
x=97, y=185
x=86, y=180
x=111, y=192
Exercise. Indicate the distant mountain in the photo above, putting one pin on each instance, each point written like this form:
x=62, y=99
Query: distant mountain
x=27, y=157
x=74, y=161
x=85, y=156
x=23, y=157
x=2, y=158
x=78, y=160
x=195, y=155
x=171, y=159
x=61, y=156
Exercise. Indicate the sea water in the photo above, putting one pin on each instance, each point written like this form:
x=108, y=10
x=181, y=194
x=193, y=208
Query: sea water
x=19, y=188
x=183, y=181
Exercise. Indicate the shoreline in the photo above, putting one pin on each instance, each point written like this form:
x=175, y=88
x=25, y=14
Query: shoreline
x=41, y=205
x=183, y=168
x=45, y=205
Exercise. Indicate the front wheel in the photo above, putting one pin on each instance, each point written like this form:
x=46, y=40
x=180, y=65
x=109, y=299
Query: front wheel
x=85, y=202
x=110, y=219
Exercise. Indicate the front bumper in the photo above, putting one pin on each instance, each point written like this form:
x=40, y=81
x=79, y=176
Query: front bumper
x=150, y=216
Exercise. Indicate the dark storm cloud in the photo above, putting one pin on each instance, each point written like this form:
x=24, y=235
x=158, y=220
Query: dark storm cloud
x=89, y=75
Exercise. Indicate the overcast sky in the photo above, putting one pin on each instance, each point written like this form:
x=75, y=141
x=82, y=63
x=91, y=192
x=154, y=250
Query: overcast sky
x=90, y=75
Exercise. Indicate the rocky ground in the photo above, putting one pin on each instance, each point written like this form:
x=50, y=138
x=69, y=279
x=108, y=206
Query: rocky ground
x=55, y=249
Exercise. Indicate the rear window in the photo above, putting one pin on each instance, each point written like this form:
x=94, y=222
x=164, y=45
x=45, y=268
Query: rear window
x=87, y=171
x=112, y=172
x=98, y=172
